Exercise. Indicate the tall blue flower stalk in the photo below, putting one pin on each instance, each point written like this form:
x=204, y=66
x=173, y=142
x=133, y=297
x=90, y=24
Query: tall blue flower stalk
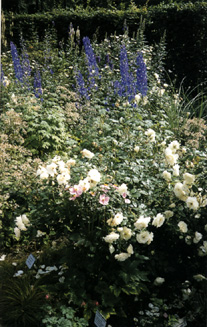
x=91, y=62
x=38, y=85
x=141, y=73
x=17, y=64
x=126, y=86
x=80, y=85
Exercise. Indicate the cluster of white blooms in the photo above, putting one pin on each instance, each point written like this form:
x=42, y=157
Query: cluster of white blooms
x=22, y=222
x=57, y=168
x=48, y=269
x=171, y=156
x=87, y=154
x=183, y=191
x=150, y=133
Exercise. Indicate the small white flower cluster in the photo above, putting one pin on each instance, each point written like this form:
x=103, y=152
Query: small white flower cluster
x=150, y=133
x=171, y=156
x=22, y=222
x=57, y=168
x=47, y=270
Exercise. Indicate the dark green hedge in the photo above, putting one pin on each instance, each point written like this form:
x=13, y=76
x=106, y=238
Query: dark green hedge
x=185, y=26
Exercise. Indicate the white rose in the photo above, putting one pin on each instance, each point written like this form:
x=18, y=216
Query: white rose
x=142, y=222
x=183, y=227
x=112, y=237
x=166, y=175
x=125, y=233
x=198, y=237
x=122, y=189
x=122, y=256
x=192, y=203
x=130, y=249
x=158, y=220
x=170, y=157
x=87, y=154
x=94, y=176
x=180, y=191
x=174, y=146
x=150, y=133
x=176, y=170
x=145, y=237
x=189, y=178
x=136, y=148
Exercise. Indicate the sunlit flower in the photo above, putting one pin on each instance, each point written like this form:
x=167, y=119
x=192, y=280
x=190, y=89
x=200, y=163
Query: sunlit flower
x=103, y=199
x=20, y=224
x=42, y=172
x=168, y=214
x=112, y=237
x=62, y=179
x=122, y=189
x=170, y=157
x=174, y=146
x=116, y=220
x=94, y=177
x=84, y=184
x=142, y=222
x=166, y=175
x=25, y=220
x=198, y=237
x=122, y=256
x=189, y=178
x=183, y=227
x=158, y=221
x=136, y=148
x=144, y=237
x=176, y=170
x=192, y=203
x=150, y=133
x=70, y=162
x=51, y=169
x=87, y=154
x=181, y=191
x=125, y=233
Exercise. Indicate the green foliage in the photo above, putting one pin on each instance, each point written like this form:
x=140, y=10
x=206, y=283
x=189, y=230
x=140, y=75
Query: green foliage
x=62, y=317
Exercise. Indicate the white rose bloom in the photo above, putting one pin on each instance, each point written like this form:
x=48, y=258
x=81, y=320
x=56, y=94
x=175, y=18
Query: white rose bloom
x=42, y=172
x=174, y=146
x=137, y=98
x=183, y=227
x=168, y=214
x=150, y=133
x=198, y=237
x=192, y=203
x=130, y=249
x=87, y=154
x=112, y=237
x=122, y=256
x=136, y=148
x=71, y=162
x=166, y=175
x=145, y=237
x=17, y=232
x=189, y=178
x=25, y=220
x=180, y=191
x=20, y=224
x=84, y=184
x=170, y=157
x=159, y=281
x=158, y=221
x=122, y=189
x=51, y=169
x=61, y=166
x=125, y=233
x=118, y=218
x=142, y=222
x=176, y=170
x=188, y=240
x=94, y=176
x=63, y=178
